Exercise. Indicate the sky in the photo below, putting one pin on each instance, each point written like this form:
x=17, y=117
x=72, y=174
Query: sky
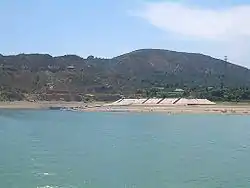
x=107, y=28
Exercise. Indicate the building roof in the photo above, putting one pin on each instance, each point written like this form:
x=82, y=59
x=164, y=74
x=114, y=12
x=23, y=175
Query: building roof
x=178, y=90
x=70, y=67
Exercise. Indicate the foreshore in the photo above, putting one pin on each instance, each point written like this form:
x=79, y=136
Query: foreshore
x=228, y=108
x=237, y=109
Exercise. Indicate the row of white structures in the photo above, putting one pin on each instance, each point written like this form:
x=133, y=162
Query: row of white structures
x=160, y=101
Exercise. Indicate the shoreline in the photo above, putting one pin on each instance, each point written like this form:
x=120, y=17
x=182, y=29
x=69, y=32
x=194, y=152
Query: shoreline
x=230, y=109
x=26, y=105
x=212, y=109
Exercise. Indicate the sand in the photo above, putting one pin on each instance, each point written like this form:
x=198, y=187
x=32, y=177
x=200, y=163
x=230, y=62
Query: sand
x=240, y=109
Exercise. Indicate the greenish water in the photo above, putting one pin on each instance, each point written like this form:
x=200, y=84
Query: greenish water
x=45, y=149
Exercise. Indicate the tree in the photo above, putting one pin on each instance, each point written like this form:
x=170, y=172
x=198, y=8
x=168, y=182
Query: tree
x=91, y=57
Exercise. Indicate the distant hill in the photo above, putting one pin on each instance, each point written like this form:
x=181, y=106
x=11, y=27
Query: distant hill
x=125, y=74
x=184, y=68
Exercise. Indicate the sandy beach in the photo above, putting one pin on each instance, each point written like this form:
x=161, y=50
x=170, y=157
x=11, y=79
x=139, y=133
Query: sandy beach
x=238, y=109
x=222, y=108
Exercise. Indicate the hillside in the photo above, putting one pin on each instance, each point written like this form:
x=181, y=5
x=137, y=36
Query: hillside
x=46, y=76
x=182, y=68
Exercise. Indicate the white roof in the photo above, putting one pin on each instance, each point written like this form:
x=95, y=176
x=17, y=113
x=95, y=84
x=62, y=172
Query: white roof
x=205, y=101
x=139, y=101
x=116, y=102
x=168, y=101
x=131, y=101
x=184, y=101
x=159, y=101
x=127, y=102
x=179, y=90
x=153, y=101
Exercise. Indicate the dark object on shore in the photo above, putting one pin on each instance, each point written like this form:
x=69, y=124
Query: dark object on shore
x=55, y=108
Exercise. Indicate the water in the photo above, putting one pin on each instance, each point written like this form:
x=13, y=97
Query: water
x=51, y=149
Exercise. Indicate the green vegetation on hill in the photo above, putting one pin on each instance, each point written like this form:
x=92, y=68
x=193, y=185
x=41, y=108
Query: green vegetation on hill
x=139, y=73
x=213, y=94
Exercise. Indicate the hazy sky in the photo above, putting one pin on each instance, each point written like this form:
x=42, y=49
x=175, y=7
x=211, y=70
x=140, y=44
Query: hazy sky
x=106, y=28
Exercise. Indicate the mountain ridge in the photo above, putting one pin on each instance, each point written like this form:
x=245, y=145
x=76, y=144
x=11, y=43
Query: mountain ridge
x=130, y=52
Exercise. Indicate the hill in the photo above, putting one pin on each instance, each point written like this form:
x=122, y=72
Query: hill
x=45, y=77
